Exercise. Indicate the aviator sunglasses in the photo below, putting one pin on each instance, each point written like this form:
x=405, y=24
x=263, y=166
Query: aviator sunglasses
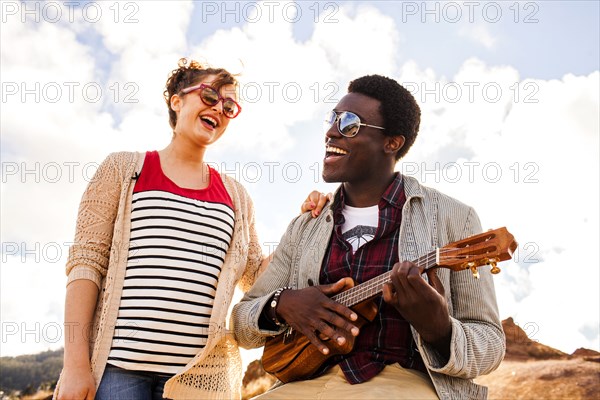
x=348, y=123
x=211, y=97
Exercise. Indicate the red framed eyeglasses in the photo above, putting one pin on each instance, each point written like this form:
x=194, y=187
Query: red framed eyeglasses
x=211, y=97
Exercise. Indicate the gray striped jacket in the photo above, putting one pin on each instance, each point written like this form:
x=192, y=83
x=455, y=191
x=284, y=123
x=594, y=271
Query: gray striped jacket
x=430, y=219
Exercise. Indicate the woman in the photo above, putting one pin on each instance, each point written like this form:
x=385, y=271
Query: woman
x=162, y=240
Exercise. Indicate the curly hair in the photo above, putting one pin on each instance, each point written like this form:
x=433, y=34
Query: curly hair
x=189, y=73
x=399, y=109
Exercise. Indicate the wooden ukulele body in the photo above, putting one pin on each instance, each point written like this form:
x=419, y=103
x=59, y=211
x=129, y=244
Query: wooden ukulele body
x=292, y=357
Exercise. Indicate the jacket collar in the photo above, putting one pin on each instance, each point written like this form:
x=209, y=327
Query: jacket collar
x=412, y=187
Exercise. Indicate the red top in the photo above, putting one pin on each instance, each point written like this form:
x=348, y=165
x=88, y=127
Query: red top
x=152, y=177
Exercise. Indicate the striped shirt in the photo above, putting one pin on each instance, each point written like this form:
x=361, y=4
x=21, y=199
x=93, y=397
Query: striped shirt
x=179, y=238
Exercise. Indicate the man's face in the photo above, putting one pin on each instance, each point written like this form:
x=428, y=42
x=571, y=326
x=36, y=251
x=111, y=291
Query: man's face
x=355, y=159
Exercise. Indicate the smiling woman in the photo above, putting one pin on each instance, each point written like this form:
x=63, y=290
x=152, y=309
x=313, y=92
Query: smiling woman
x=162, y=240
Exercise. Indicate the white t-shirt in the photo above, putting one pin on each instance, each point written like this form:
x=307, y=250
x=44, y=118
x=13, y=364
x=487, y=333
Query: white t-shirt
x=360, y=225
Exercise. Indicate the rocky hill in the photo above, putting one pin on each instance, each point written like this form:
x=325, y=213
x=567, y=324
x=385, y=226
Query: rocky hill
x=530, y=370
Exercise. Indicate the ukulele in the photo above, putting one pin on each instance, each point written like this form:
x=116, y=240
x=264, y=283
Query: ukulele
x=290, y=356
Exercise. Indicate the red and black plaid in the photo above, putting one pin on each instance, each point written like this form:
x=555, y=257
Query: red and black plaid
x=387, y=339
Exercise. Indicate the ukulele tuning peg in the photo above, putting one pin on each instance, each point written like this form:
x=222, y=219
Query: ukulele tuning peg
x=475, y=271
x=495, y=268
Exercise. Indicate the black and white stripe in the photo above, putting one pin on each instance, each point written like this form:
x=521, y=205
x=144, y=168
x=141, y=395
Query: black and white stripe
x=176, y=252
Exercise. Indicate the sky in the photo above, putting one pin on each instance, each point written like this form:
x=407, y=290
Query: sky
x=509, y=95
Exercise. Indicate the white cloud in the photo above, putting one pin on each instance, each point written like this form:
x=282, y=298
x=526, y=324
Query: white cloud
x=478, y=33
x=362, y=41
x=53, y=137
x=292, y=79
x=33, y=291
x=147, y=29
x=50, y=129
x=522, y=161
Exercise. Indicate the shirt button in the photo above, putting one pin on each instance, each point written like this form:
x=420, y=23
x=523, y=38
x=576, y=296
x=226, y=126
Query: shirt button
x=328, y=219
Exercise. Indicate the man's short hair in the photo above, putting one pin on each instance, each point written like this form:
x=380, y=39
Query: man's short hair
x=399, y=109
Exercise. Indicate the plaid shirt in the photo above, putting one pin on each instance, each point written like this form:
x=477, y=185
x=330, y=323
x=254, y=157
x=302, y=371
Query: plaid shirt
x=387, y=339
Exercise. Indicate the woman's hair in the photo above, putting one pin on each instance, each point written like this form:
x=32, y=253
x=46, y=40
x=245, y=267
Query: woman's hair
x=188, y=74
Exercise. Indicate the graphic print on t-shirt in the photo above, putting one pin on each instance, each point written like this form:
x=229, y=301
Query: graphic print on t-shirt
x=359, y=235
x=360, y=225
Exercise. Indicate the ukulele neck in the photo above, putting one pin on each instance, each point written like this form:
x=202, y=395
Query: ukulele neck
x=374, y=287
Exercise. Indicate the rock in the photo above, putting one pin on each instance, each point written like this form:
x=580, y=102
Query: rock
x=256, y=380
x=520, y=347
x=583, y=352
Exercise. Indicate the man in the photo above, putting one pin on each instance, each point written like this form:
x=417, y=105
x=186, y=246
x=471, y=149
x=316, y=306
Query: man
x=433, y=333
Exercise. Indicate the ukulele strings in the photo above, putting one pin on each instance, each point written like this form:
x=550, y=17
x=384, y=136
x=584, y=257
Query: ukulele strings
x=373, y=286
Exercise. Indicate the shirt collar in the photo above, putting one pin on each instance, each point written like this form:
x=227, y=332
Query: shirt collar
x=391, y=195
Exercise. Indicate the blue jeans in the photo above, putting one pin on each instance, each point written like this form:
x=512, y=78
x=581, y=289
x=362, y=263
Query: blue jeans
x=122, y=384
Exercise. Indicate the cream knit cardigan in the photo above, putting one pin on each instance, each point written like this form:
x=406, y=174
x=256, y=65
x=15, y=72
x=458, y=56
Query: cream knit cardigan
x=100, y=252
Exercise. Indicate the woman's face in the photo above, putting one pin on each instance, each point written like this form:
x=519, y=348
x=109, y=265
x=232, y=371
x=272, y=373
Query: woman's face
x=200, y=123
